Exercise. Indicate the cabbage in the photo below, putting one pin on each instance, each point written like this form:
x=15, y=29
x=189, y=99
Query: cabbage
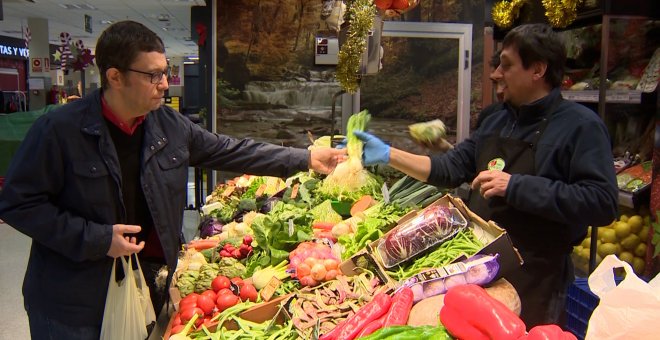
x=428, y=133
x=209, y=226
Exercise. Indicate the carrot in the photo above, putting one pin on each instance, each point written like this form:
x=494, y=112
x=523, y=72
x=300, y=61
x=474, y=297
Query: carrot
x=323, y=225
x=362, y=204
x=203, y=244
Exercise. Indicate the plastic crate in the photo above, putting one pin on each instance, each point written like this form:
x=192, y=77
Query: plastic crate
x=580, y=304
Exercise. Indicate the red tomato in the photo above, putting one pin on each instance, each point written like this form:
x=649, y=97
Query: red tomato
x=226, y=300
x=187, y=304
x=206, y=304
x=237, y=281
x=177, y=329
x=248, y=292
x=190, y=297
x=199, y=322
x=210, y=293
x=177, y=320
x=220, y=282
x=187, y=314
x=223, y=292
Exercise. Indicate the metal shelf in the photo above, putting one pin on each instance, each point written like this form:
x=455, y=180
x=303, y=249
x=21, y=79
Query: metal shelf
x=612, y=96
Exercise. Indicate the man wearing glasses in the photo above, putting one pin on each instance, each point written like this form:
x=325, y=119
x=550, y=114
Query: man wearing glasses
x=106, y=176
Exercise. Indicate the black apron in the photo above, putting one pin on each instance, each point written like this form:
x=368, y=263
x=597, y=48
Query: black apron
x=544, y=245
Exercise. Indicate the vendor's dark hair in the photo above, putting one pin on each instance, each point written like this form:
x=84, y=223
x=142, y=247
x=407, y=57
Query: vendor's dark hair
x=120, y=43
x=539, y=43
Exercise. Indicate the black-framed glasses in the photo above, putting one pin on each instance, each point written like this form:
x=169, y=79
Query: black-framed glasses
x=156, y=77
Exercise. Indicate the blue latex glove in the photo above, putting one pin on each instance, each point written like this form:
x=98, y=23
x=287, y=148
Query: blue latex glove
x=374, y=151
x=342, y=144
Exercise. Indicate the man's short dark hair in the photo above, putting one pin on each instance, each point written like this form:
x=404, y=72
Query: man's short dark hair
x=539, y=43
x=119, y=45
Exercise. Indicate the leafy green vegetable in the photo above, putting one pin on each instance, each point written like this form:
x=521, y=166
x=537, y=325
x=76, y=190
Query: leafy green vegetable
x=271, y=232
x=409, y=332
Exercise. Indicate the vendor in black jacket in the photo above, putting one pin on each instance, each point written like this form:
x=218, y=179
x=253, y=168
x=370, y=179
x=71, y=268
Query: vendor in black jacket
x=541, y=168
x=106, y=176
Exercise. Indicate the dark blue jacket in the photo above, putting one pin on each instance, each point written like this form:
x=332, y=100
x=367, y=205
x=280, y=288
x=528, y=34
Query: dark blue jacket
x=63, y=189
x=575, y=182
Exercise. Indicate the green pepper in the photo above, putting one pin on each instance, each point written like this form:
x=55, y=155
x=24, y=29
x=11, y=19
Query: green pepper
x=409, y=333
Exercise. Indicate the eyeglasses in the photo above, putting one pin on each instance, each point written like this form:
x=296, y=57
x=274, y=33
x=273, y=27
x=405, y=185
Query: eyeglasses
x=156, y=77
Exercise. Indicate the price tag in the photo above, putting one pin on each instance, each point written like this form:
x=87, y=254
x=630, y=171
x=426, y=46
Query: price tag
x=260, y=190
x=386, y=193
x=291, y=227
x=294, y=190
x=268, y=291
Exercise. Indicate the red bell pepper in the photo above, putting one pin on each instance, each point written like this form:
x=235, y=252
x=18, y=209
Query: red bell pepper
x=367, y=313
x=470, y=313
x=548, y=332
x=400, y=310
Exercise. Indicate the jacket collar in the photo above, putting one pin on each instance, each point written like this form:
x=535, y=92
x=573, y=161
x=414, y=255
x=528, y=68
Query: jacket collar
x=92, y=122
x=538, y=109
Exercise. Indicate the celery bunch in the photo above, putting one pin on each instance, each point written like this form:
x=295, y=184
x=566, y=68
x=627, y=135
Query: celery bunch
x=349, y=180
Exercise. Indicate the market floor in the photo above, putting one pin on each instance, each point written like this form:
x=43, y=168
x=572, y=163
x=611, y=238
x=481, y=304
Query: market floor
x=14, y=251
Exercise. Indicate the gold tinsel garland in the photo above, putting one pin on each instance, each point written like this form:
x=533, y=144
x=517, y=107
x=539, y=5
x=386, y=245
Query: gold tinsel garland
x=360, y=20
x=505, y=12
x=561, y=13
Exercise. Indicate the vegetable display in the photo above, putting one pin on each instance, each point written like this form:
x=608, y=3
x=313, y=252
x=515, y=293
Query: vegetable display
x=273, y=257
x=432, y=226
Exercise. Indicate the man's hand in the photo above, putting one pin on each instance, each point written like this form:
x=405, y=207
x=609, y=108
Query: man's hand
x=374, y=151
x=124, y=245
x=324, y=160
x=491, y=183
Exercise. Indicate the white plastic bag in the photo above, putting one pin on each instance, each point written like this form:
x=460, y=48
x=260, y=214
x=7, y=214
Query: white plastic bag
x=630, y=310
x=128, y=307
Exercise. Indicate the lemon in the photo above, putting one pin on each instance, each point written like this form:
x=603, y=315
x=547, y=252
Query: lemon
x=586, y=243
x=638, y=265
x=606, y=249
x=644, y=233
x=589, y=231
x=647, y=220
x=627, y=257
x=584, y=253
x=622, y=229
x=624, y=218
x=640, y=250
x=607, y=235
x=635, y=222
x=630, y=242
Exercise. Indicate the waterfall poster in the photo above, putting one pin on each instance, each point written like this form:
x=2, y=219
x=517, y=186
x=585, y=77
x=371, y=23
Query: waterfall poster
x=270, y=89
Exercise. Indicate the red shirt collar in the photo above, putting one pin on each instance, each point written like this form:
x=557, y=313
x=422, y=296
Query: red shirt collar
x=112, y=117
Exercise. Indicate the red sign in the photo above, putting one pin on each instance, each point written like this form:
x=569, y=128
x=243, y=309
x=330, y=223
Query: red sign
x=36, y=65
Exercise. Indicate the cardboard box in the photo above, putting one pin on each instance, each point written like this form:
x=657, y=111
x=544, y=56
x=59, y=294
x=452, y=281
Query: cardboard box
x=494, y=238
x=260, y=313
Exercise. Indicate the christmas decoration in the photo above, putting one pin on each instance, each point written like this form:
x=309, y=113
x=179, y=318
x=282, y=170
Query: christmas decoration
x=27, y=35
x=73, y=55
x=506, y=12
x=360, y=20
x=561, y=13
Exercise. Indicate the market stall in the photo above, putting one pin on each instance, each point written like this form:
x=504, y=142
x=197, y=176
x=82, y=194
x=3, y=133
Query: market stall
x=330, y=257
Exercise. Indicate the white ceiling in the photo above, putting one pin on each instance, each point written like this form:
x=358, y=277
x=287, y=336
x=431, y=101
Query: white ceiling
x=170, y=19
